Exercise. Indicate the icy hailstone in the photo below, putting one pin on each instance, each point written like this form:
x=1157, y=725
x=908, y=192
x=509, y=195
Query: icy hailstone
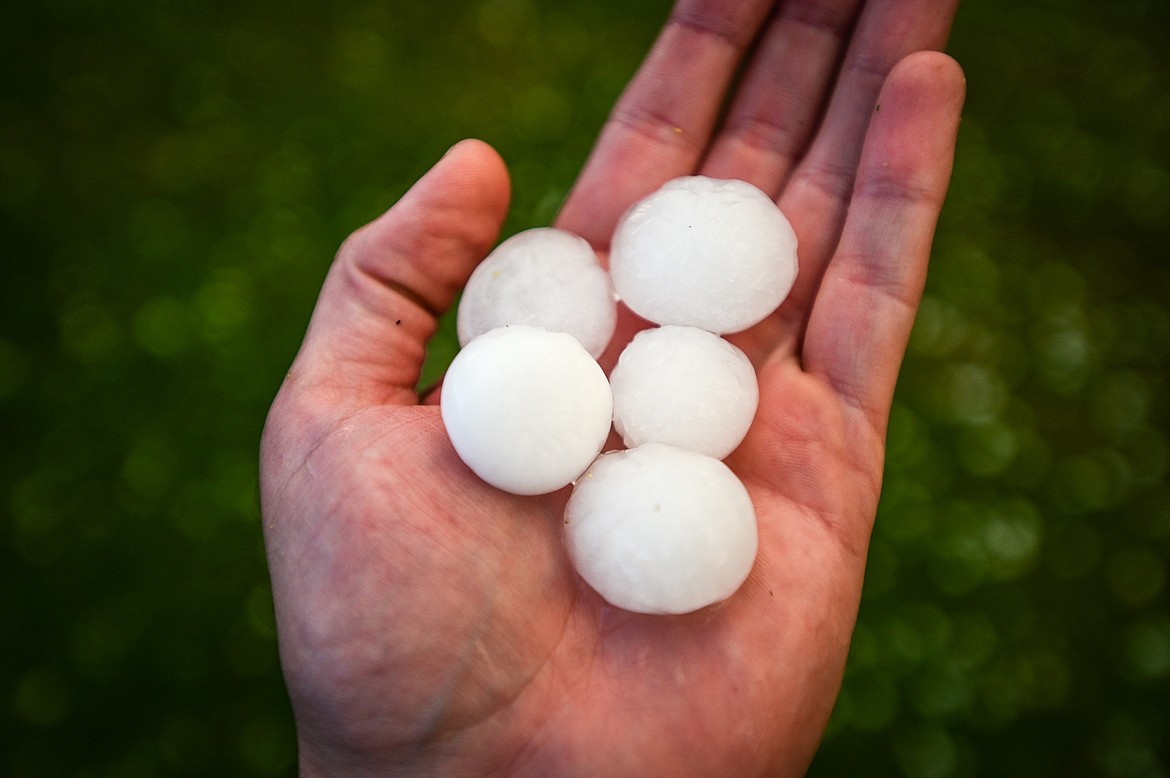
x=686, y=387
x=526, y=409
x=710, y=253
x=657, y=529
x=545, y=278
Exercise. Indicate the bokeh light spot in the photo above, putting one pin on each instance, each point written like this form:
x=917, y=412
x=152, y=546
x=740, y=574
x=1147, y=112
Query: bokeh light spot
x=42, y=697
x=865, y=650
x=103, y=635
x=162, y=326
x=261, y=615
x=266, y=745
x=1012, y=537
x=158, y=229
x=1137, y=575
x=873, y=701
x=926, y=752
x=224, y=303
x=1127, y=745
x=941, y=689
x=1081, y=484
x=1120, y=402
x=22, y=174
x=360, y=59
x=1074, y=550
x=1147, y=647
x=976, y=393
x=185, y=742
x=906, y=511
x=90, y=333
x=987, y=449
x=14, y=369
x=148, y=472
x=938, y=328
x=502, y=22
x=1147, y=453
x=973, y=640
x=881, y=569
x=542, y=112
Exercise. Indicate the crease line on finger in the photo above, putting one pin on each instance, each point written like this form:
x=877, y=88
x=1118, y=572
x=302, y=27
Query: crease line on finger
x=685, y=16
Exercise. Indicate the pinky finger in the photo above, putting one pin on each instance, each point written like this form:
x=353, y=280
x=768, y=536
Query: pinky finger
x=863, y=312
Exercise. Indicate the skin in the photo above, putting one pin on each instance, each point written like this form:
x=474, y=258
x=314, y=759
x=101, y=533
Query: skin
x=431, y=625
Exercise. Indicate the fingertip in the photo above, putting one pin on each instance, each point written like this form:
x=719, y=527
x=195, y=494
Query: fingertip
x=481, y=173
x=932, y=75
x=483, y=167
x=473, y=146
x=911, y=141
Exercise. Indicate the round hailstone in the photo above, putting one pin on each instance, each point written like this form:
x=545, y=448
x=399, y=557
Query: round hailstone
x=526, y=409
x=545, y=278
x=710, y=253
x=686, y=387
x=657, y=529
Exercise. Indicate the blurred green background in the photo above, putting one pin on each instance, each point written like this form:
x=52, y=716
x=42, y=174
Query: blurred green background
x=176, y=175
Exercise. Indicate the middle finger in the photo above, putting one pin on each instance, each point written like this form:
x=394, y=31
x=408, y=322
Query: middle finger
x=784, y=89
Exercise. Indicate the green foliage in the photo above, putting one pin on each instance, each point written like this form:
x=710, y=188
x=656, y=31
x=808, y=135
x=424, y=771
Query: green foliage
x=174, y=178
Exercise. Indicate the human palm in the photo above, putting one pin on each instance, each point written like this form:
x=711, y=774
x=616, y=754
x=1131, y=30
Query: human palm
x=431, y=624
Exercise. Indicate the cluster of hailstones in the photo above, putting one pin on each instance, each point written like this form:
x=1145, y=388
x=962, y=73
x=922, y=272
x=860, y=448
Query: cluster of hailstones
x=663, y=526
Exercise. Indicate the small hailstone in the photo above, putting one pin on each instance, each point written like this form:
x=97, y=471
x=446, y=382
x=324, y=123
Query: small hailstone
x=656, y=529
x=545, y=278
x=710, y=253
x=686, y=387
x=526, y=409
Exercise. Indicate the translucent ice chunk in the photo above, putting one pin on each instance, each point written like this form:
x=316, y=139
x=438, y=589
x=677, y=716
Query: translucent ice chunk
x=657, y=529
x=545, y=278
x=686, y=387
x=709, y=253
x=526, y=409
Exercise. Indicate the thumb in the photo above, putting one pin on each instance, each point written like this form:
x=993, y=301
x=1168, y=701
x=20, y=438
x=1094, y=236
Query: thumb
x=392, y=279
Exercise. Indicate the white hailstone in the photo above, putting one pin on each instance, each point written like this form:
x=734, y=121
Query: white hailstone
x=545, y=278
x=686, y=387
x=710, y=253
x=657, y=529
x=526, y=409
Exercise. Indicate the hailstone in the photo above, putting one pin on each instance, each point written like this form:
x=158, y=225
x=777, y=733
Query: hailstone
x=710, y=253
x=686, y=387
x=526, y=409
x=545, y=278
x=657, y=529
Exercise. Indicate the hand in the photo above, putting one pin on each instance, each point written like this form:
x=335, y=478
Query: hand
x=430, y=624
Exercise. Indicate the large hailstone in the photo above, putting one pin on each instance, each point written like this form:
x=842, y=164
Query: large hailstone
x=658, y=529
x=526, y=409
x=710, y=253
x=545, y=278
x=686, y=387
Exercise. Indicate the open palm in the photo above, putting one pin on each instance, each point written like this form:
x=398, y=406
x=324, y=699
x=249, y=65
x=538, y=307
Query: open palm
x=430, y=624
